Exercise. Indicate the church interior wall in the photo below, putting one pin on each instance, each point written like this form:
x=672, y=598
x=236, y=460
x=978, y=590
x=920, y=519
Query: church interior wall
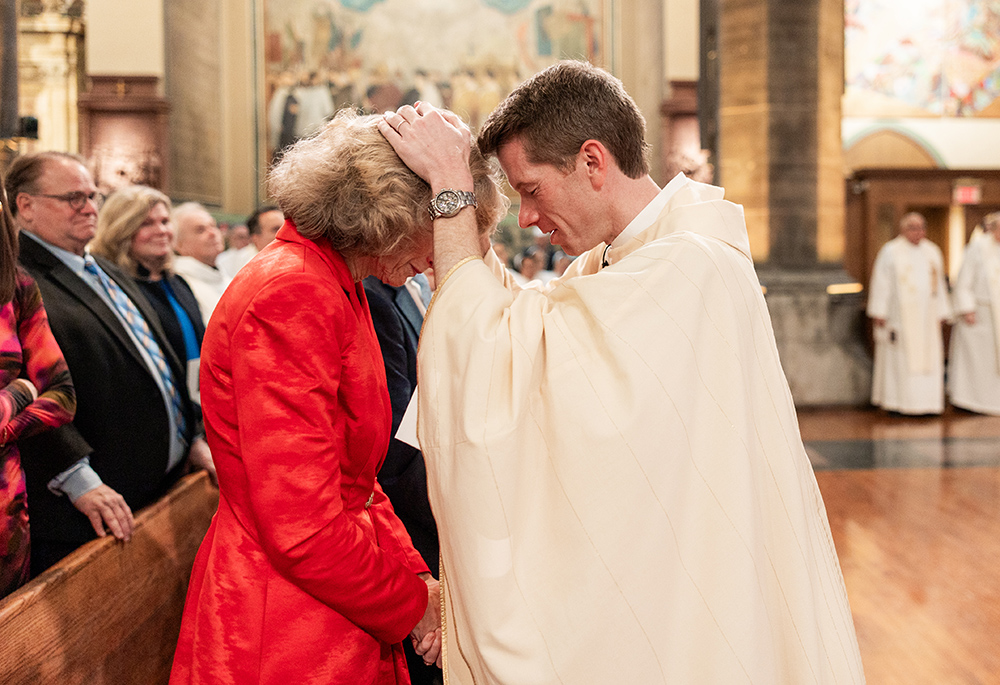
x=920, y=96
x=214, y=68
x=125, y=37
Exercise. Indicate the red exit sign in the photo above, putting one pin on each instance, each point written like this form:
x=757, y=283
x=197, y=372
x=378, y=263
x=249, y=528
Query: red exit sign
x=967, y=194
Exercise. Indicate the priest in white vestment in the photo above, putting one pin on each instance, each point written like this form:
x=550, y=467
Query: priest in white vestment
x=974, y=362
x=614, y=460
x=198, y=244
x=908, y=303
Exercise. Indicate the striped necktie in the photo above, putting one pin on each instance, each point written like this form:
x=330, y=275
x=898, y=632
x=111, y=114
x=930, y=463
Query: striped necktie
x=140, y=329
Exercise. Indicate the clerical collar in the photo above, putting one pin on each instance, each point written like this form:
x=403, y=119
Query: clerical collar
x=649, y=214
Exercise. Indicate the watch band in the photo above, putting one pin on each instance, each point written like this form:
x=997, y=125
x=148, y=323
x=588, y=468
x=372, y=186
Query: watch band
x=448, y=202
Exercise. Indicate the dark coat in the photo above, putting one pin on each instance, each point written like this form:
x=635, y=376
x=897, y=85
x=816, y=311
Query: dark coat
x=121, y=420
x=157, y=297
x=403, y=475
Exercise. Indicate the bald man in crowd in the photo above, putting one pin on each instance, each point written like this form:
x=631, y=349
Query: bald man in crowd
x=198, y=244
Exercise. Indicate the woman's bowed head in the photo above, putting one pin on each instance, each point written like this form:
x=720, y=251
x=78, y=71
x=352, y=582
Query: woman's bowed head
x=346, y=184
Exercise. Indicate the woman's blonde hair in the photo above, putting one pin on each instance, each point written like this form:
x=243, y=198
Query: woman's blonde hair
x=120, y=218
x=345, y=183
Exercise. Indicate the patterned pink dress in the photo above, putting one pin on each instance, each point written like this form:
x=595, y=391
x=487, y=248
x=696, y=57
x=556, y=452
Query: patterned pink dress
x=27, y=350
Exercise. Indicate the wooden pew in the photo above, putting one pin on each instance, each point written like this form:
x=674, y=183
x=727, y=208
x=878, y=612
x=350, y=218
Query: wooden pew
x=110, y=613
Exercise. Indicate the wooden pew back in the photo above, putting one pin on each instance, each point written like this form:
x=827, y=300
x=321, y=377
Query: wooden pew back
x=110, y=613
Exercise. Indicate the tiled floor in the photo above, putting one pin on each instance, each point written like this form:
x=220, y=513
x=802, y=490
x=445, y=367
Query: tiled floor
x=872, y=438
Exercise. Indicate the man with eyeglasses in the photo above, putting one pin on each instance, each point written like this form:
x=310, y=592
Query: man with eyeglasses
x=134, y=432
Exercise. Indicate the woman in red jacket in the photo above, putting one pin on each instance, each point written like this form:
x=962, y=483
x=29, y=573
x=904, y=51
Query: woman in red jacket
x=306, y=575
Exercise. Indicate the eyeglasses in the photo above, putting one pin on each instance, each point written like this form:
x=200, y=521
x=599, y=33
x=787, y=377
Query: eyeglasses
x=77, y=200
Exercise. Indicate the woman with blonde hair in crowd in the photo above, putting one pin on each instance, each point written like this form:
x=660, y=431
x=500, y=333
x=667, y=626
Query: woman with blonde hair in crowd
x=36, y=393
x=135, y=232
x=306, y=574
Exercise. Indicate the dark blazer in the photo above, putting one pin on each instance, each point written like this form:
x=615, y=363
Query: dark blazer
x=121, y=420
x=403, y=476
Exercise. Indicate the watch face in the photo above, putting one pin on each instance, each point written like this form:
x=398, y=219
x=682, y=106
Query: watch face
x=447, y=202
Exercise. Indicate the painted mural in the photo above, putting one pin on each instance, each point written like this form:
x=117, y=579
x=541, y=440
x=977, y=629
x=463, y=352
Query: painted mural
x=376, y=55
x=922, y=58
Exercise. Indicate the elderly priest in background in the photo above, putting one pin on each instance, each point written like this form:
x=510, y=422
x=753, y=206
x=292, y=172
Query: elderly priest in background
x=613, y=459
x=908, y=303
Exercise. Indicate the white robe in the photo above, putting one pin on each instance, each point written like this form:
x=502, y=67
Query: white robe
x=909, y=292
x=206, y=283
x=974, y=362
x=232, y=260
x=616, y=470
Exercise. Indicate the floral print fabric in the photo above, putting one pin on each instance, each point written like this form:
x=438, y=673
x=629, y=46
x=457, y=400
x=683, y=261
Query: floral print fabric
x=27, y=351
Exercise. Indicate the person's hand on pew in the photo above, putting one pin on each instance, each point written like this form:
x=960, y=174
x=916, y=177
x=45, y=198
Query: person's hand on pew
x=107, y=512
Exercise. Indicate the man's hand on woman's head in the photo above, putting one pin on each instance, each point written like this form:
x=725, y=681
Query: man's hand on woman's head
x=434, y=143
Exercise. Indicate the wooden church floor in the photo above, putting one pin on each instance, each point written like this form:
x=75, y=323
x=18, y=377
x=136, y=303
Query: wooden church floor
x=914, y=506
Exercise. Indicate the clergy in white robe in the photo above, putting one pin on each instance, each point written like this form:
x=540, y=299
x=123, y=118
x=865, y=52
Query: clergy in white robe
x=198, y=245
x=974, y=361
x=614, y=460
x=908, y=302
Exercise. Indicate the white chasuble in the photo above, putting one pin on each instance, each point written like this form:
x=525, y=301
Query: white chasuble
x=974, y=359
x=616, y=470
x=908, y=291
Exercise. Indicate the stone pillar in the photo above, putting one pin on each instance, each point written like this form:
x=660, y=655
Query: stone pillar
x=640, y=67
x=195, y=90
x=8, y=69
x=51, y=72
x=708, y=81
x=213, y=90
x=780, y=67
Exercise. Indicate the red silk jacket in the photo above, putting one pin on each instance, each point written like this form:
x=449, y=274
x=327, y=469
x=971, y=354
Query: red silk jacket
x=305, y=575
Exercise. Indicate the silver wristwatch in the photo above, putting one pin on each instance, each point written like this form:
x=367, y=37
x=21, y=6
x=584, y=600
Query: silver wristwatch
x=448, y=202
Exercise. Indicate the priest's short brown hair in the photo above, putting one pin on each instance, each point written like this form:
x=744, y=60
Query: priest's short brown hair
x=560, y=108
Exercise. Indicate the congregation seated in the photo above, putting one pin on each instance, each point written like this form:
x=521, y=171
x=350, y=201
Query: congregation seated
x=136, y=429
x=198, y=244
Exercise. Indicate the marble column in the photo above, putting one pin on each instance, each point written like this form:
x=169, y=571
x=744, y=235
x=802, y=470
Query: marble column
x=780, y=76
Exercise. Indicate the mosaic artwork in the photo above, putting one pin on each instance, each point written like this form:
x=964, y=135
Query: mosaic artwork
x=321, y=55
x=922, y=58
